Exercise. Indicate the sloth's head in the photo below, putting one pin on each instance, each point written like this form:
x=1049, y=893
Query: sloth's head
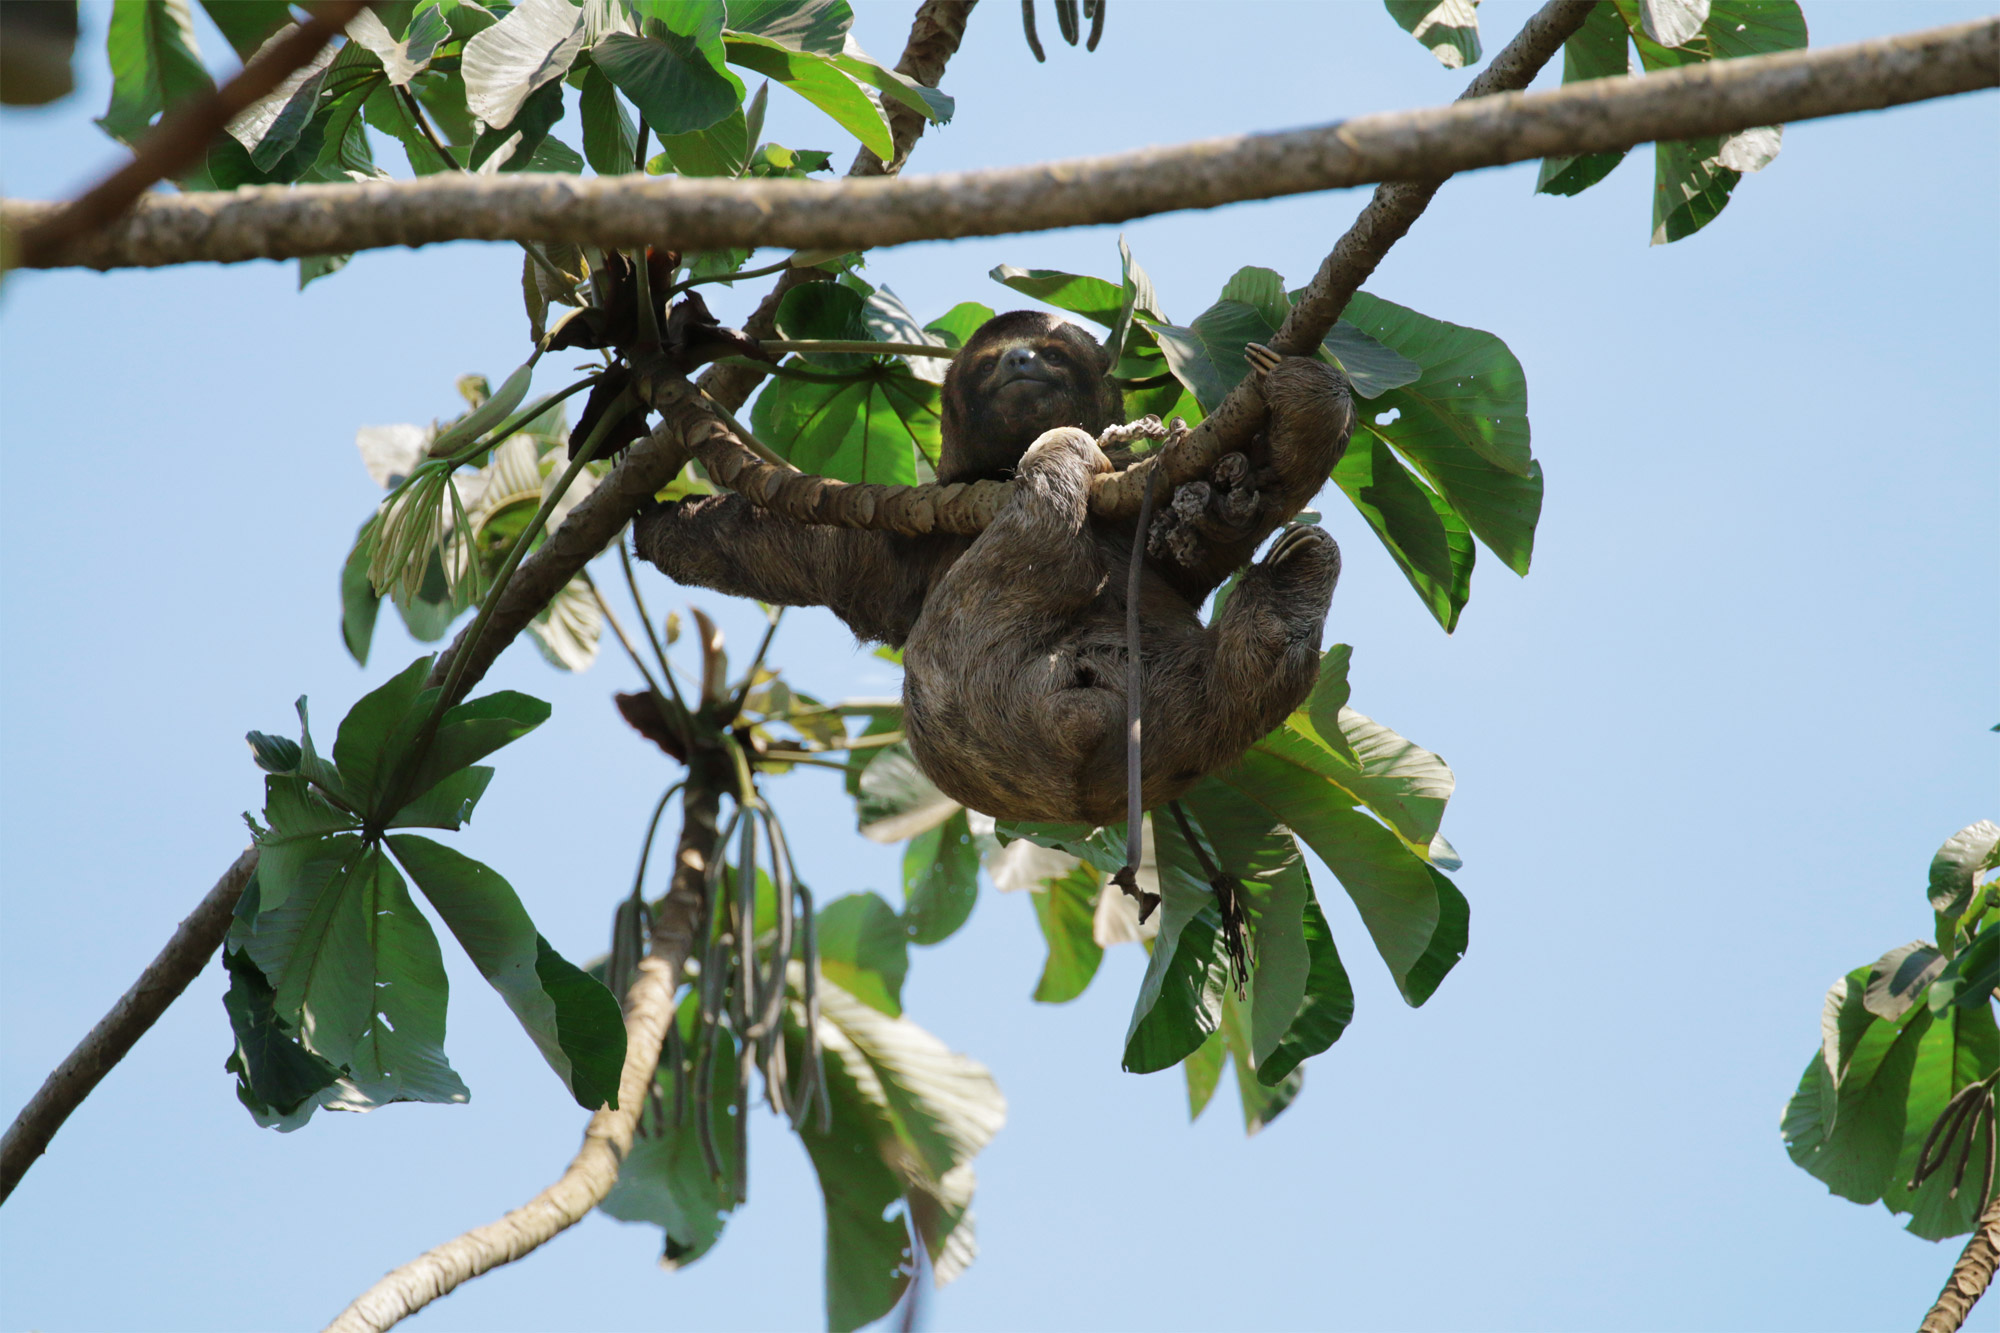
x=1020, y=374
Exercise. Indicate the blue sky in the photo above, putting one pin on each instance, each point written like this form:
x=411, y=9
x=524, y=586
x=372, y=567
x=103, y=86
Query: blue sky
x=1704, y=750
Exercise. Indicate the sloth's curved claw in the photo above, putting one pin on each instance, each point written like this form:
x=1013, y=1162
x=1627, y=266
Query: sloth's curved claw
x=1262, y=360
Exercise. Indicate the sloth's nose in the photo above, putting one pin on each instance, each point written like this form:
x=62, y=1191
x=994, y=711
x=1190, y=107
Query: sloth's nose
x=1018, y=361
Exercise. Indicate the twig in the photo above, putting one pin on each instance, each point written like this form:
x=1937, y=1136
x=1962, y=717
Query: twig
x=1716, y=97
x=649, y=1008
x=1970, y=1276
x=179, y=963
x=183, y=134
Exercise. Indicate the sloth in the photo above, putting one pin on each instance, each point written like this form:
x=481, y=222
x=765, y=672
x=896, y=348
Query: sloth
x=1014, y=641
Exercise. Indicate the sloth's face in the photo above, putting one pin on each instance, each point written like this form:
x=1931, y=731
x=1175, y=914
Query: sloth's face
x=1020, y=375
x=1034, y=383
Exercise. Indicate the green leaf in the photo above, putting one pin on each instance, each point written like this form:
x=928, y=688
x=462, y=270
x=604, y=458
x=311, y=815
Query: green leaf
x=908, y=1117
x=1095, y=299
x=959, y=323
x=1957, y=1049
x=515, y=145
x=820, y=80
x=720, y=150
x=1204, y=1071
x=610, y=139
x=292, y=849
x=1208, y=357
x=1329, y=697
x=1416, y=916
x=404, y=59
x=387, y=112
x=818, y=26
x=1180, y=999
x=1847, y=1129
x=1957, y=864
x=863, y=948
x=274, y=754
x=1404, y=784
x=940, y=880
x=665, y=1180
x=574, y=1021
x=1425, y=536
x=1901, y=978
x=1597, y=50
x=1969, y=980
x=1448, y=29
x=675, y=78
x=1326, y=1010
x=894, y=800
x=275, y=1076
x=154, y=64
x=1692, y=179
x=1464, y=425
x=247, y=24
x=928, y=102
x=473, y=730
x=1066, y=910
x=365, y=749
x=533, y=45
x=358, y=975
x=876, y=427
x=1262, y=1103
x=447, y=805
x=868, y=1259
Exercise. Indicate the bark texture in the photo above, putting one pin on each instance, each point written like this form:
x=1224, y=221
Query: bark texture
x=271, y=222
x=649, y=1007
x=1970, y=1276
x=193, y=942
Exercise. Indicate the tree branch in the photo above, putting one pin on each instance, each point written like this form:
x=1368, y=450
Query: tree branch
x=266, y=222
x=183, y=134
x=1970, y=1276
x=649, y=1008
x=118, y=1031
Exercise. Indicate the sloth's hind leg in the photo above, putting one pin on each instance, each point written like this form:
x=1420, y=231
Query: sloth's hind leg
x=1266, y=644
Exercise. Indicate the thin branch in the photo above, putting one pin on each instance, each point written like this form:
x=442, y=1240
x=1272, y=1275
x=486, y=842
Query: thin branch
x=649, y=1009
x=184, y=133
x=179, y=963
x=1970, y=1276
x=1599, y=115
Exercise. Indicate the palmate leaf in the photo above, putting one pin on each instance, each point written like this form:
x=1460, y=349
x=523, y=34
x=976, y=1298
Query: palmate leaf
x=357, y=974
x=882, y=426
x=1463, y=425
x=1425, y=536
x=1066, y=909
x=1866, y=1104
x=908, y=1117
x=1692, y=179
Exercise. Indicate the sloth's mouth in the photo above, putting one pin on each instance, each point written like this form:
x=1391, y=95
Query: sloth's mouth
x=1027, y=374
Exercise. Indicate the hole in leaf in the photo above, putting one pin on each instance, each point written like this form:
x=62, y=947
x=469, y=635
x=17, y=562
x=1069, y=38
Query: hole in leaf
x=1389, y=417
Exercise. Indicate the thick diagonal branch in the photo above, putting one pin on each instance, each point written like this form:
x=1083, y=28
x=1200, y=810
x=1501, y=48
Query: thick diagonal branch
x=180, y=962
x=1716, y=97
x=649, y=1007
x=1970, y=1276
